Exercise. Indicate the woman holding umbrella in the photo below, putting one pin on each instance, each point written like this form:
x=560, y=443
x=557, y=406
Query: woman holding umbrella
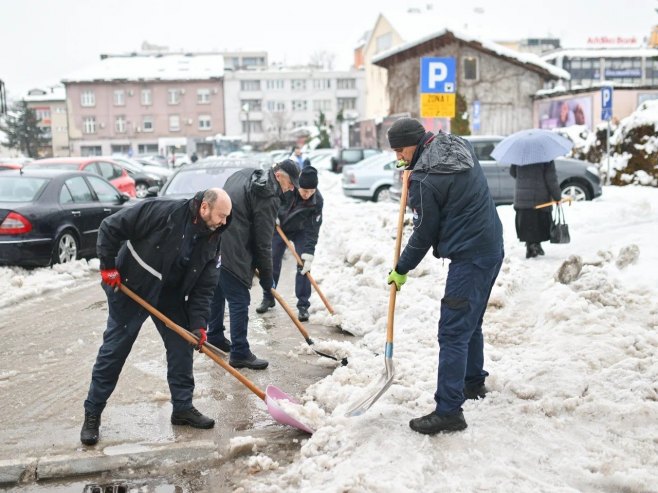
x=531, y=154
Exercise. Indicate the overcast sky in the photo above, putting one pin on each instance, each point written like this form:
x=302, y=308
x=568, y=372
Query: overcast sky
x=41, y=41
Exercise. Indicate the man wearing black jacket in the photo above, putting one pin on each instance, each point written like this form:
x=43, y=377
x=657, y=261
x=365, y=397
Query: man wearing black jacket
x=455, y=216
x=166, y=251
x=300, y=218
x=256, y=196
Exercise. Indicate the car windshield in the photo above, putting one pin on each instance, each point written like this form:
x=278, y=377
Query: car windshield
x=376, y=160
x=20, y=188
x=188, y=182
x=131, y=165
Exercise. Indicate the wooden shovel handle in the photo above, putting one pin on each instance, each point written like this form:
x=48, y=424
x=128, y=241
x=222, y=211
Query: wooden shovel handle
x=290, y=313
x=553, y=202
x=308, y=274
x=192, y=339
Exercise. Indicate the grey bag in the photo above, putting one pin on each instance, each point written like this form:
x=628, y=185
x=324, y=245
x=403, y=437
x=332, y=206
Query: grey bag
x=559, y=228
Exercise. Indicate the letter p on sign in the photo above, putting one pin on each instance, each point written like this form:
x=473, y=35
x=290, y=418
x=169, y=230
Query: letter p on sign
x=438, y=71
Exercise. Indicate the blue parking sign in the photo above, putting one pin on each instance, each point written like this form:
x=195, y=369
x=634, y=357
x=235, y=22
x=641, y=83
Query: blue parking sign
x=437, y=75
x=606, y=103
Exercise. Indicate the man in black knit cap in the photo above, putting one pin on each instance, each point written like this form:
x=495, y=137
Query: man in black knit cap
x=454, y=214
x=300, y=218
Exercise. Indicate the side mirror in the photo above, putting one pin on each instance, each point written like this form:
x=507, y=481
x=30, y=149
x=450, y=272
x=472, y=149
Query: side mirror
x=152, y=191
x=123, y=198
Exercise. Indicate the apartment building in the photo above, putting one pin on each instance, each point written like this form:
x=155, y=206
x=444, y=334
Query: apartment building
x=146, y=103
x=266, y=105
x=49, y=104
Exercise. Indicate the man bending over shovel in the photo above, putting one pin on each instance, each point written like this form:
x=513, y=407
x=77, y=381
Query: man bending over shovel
x=165, y=250
x=454, y=214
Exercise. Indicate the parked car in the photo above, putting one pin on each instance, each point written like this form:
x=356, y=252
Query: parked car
x=371, y=178
x=144, y=178
x=157, y=159
x=50, y=216
x=321, y=158
x=104, y=167
x=351, y=155
x=149, y=166
x=578, y=179
x=10, y=166
x=204, y=174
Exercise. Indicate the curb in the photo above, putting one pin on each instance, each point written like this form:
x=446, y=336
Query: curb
x=29, y=469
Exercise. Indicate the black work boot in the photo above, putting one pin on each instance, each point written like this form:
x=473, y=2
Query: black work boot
x=539, y=249
x=433, y=423
x=475, y=392
x=251, y=362
x=530, y=250
x=303, y=314
x=192, y=417
x=265, y=305
x=89, y=433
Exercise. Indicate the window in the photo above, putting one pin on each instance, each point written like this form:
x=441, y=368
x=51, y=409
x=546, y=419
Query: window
x=147, y=148
x=384, y=42
x=346, y=84
x=174, y=123
x=298, y=84
x=104, y=191
x=254, y=104
x=203, y=96
x=107, y=170
x=86, y=151
x=119, y=97
x=483, y=150
x=65, y=196
x=321, y=84
x=42, y=114
x=174, y=96
x=120, y=125
x=322, y=105
x=147, y=124
x=120, y=149
x=470, y=64
x=252, y=61
x=276, y=106
x=275, y=85
x=87, y=98
x=78, y=190
x=299, y=123
x=346, y=103
x=254, y=126
x=250, y=85
x=204, y=122
x=147, y=98
x=89, y=125
x=299, y=105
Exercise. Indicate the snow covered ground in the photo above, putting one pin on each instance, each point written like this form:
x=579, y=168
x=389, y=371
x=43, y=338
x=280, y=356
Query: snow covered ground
x=574, y=367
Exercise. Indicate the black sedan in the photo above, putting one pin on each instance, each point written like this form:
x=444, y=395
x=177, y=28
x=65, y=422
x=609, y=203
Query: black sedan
x=50, y=216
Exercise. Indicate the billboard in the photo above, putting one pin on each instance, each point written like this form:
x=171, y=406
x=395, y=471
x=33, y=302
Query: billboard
x=565, y=112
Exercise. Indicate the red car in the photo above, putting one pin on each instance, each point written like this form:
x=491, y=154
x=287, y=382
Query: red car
x=104, y=167
x=10, y=166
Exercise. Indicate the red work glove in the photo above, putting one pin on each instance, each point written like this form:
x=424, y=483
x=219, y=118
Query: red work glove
x=201, y=335
x=111, y=277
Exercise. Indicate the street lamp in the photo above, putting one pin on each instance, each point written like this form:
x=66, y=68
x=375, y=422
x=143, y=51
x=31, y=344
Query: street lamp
x=245, y=108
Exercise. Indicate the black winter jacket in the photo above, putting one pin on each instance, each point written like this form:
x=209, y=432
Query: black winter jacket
x=297, y=214
x=144, y=242
x=256, y=197
x=535, y=184
x=453, y=211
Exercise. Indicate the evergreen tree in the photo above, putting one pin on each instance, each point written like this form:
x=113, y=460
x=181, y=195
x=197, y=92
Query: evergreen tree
x=323, y=133
x=23, y=130
x=459, y=125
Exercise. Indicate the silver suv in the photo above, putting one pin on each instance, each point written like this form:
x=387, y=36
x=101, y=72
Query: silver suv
x=578, y=179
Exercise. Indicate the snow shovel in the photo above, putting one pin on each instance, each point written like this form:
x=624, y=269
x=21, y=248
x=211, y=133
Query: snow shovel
x=271, y=395
x=308, y=274
x=301, y=328
x=386, y=379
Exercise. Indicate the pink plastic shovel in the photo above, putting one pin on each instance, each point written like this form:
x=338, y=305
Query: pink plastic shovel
x=270, y=396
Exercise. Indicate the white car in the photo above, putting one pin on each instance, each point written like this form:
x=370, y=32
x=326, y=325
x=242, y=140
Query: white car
x=370, y=178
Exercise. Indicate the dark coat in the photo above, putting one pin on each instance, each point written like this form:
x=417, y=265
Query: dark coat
x=256, y=197
x=297, y=214
x=144, y=241
x=535, y=184
x=453, y=211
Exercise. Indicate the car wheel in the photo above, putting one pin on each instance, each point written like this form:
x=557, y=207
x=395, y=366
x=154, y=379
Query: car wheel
x=576, y=191
x=382, y=194
x=66, y=248
x=141, y=190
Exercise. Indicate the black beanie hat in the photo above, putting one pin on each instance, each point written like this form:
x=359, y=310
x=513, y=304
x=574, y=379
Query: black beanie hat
x=308, y=178
x=405, y=132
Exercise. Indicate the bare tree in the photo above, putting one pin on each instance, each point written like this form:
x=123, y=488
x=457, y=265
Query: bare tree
x=276, y=125
x=323, y=59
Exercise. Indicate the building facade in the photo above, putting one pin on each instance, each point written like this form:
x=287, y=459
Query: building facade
x=143, y=104
x=50, y=108
x=265, y=106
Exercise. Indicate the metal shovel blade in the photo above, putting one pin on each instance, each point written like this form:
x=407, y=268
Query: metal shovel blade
x=272, y=395
x=384, y=382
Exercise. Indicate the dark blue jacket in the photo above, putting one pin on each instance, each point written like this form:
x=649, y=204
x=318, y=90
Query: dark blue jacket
x=453, y=212
x=297, y=214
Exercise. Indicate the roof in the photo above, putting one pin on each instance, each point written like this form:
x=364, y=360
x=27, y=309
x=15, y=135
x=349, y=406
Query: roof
x=137, y=67
x=520, y=58
x=603, y=53
x=54, y=93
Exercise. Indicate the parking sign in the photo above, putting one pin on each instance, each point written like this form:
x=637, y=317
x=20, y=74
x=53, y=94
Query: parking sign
x=606, y=103
x=437, y=87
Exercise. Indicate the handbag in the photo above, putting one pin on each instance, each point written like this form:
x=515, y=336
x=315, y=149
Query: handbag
x=559, y=228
